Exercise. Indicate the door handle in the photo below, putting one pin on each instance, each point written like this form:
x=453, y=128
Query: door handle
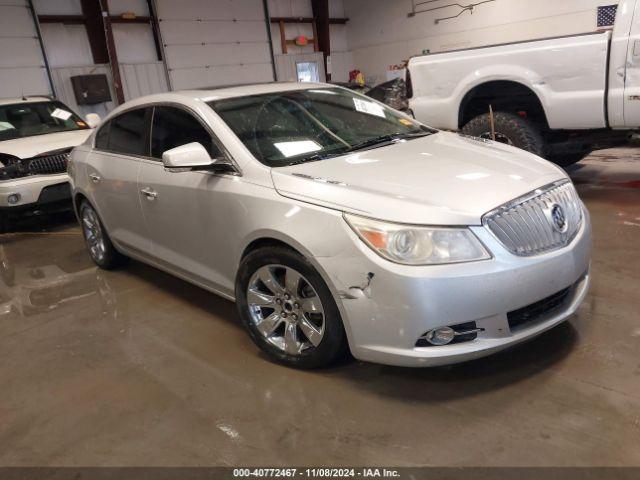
x=95, y=178
x=149, y=193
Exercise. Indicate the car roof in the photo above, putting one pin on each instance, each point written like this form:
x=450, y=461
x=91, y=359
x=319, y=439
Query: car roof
x=219, y=93
x=29, y=99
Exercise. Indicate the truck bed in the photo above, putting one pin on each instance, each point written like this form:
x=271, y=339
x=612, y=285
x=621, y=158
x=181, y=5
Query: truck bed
x=569, y=75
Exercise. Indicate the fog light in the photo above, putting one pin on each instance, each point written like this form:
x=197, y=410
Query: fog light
x=440, y=336
x=13, y=198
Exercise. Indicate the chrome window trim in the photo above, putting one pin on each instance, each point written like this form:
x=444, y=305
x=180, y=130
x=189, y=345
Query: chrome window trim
x=149, y=158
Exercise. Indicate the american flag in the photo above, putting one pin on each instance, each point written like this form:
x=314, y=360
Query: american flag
x=607, y=16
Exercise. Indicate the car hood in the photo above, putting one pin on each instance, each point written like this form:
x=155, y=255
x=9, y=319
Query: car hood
x=28, y=147
x=442, y=179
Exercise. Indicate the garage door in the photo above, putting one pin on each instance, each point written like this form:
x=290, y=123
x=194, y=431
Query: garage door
x=22, y=69
x=214, y=43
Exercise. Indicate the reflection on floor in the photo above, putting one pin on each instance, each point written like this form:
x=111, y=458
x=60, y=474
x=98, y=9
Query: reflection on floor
x=135, y=367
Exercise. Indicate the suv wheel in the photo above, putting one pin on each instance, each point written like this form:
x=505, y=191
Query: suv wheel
x=288, y=309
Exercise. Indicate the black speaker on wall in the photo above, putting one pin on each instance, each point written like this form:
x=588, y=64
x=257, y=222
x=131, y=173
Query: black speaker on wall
x=91, y=89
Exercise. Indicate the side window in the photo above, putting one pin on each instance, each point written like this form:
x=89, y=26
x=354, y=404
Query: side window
x=128, y=133
x=173, y=127
x=102, y=137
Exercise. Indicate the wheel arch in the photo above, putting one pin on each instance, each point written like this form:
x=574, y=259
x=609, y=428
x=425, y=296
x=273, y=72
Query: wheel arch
x=506, y=95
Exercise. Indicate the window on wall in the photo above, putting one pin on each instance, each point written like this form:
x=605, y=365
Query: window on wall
x=307, y=71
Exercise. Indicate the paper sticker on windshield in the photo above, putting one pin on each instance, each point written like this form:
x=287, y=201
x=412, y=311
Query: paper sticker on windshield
x=368, y=107
x=61, y=114
x=297, y=147
x=6, y=126
x=406, y=122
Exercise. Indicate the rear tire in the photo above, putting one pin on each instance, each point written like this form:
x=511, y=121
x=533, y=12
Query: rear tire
x=292, y=288
x=100, y=247
x=509, y=128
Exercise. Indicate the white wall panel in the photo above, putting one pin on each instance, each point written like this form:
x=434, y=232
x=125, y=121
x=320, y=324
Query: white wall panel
x=188, y=32
x=224, y=75
x=212, y=55
x=380, y=34
x=211, y=10
x=214, y=43
x=134, y=43
x=66, y=45
x=143, y=79
x=57, y=7
x=22, y=69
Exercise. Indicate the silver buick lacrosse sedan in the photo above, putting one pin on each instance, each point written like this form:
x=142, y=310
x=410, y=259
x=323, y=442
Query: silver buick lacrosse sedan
x=335, y=222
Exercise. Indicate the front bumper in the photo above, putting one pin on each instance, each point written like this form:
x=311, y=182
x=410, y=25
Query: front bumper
x=35, y=192
x=385, y=318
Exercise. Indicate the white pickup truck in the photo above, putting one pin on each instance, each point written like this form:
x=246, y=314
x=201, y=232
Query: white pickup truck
x=558, y=97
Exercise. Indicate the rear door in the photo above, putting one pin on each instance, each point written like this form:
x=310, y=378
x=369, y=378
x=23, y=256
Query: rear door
x=121, y=147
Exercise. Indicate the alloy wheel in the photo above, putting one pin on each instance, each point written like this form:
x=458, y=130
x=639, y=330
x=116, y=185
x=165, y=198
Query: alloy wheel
x=286, y=309
x=93, y=234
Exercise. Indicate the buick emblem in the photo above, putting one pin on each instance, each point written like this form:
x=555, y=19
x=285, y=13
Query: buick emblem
x=558, y=218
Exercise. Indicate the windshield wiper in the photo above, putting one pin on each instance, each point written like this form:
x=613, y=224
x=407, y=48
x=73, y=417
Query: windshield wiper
x=314, y=158
x=386, y=139
x=372, y=142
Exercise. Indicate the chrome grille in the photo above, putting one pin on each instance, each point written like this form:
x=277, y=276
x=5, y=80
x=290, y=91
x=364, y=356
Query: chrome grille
x=50, y=164
x=526, y=226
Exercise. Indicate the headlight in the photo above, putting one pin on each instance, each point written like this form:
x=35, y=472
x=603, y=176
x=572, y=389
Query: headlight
x=415, y=245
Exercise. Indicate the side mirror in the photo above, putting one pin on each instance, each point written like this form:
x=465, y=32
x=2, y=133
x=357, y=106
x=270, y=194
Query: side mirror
x=93, y=119
x=193, y=156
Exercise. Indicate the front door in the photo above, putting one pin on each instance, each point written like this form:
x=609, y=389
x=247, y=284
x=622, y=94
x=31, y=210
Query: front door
x=184, y=212
x=120, y=146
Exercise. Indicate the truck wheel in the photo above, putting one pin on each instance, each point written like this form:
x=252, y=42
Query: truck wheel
x=510, y=129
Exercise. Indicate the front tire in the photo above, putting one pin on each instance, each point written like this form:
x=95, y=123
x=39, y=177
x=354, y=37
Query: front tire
x=510, y=129
x=288, y=309
x=100, y=247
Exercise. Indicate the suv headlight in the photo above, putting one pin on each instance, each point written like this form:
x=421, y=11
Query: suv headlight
x=416, y=245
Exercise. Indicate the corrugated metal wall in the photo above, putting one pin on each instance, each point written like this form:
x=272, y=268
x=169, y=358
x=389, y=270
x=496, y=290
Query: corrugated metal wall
x=214, y=43
x=140, y=79
x=22, y=69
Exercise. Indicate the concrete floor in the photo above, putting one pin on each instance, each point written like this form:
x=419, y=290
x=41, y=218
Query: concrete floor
x=135, y=367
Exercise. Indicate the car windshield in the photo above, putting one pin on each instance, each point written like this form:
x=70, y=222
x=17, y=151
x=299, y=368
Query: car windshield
x=37, y=118
x=285, y=128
